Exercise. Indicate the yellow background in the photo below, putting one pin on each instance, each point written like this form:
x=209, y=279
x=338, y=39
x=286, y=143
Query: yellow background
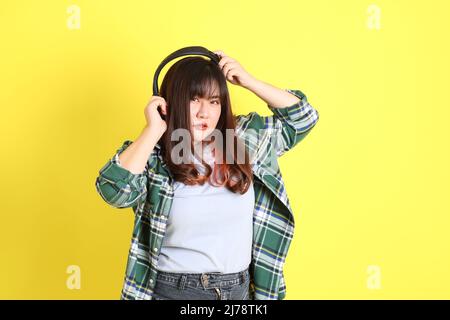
x=369, y=185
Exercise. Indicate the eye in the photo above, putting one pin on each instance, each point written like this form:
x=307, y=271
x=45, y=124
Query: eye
x=217, y=101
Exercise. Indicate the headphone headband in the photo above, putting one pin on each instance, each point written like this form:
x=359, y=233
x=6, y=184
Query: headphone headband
x=192, y=50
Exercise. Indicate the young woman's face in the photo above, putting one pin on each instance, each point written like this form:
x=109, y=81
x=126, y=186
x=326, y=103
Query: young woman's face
x=204, y=110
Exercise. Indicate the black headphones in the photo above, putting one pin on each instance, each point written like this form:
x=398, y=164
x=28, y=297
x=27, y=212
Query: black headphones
x=193, y=50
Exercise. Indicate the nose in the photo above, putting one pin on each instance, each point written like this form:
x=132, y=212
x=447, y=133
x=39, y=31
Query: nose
x=203, y=111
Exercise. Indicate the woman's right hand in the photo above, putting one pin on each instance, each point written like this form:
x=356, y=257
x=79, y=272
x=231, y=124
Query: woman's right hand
x=154, y=120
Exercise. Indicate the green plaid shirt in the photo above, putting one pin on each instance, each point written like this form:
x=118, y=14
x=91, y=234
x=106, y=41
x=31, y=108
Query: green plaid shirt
x=150, y=195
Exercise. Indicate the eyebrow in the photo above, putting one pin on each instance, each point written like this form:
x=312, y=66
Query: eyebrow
x=212, y=97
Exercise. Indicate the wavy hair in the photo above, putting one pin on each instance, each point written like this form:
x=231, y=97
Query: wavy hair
x=185, y=79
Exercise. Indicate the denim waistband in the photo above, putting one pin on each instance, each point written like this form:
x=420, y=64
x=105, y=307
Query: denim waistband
x=206, y=279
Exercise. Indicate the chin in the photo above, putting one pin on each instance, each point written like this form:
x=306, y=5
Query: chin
x=202, y=136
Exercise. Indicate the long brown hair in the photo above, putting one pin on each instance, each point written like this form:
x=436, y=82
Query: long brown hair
x=185, y=79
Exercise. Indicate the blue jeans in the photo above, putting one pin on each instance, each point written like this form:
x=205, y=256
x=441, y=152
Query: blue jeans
x=202, y=286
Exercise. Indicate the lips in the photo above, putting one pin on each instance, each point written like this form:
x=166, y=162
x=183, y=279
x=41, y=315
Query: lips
x=201, y=126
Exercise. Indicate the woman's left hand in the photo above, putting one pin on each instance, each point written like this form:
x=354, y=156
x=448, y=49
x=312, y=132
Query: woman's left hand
x=233, y=70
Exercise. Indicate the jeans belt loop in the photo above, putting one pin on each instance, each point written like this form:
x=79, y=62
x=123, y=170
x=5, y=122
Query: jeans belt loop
x=182, y=281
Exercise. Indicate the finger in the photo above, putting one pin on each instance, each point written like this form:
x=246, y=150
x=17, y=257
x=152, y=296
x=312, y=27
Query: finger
x=163, y=108
x=225, y=70
x=224, y=61
x=228, y=66
x=158, y=98
x=219, y=52
x=231, y=72
x=159, y=101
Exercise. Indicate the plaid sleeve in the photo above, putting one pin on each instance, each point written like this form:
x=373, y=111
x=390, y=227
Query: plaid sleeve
x=287, y=126
x=291, y=123
x=118, y=186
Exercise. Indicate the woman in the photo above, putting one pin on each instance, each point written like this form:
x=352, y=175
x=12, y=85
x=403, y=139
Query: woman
x=212, y=221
